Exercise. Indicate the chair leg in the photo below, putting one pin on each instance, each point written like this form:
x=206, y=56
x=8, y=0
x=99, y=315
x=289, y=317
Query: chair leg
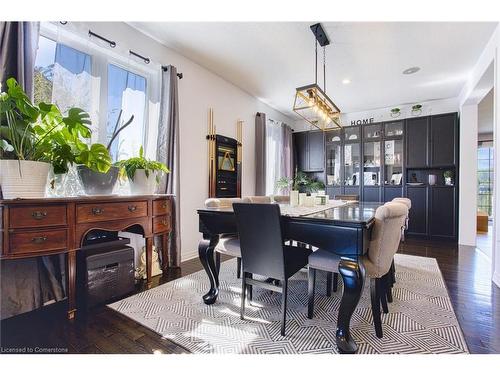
x=283, y=305
x=388, y=287
x=383, y=294
x=311, y=279
x=328, y=284
x=238, y=268
x=217, y=262
x=243, y=295
x=250, y=289
x=335, y=281
x=375, y=299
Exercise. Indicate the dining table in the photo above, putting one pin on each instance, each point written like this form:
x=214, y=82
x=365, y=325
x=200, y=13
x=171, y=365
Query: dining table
x=343, y=228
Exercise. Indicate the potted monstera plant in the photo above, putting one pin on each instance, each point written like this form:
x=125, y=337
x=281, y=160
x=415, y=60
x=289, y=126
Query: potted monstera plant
x=34, y=138
x=143, y=174
x=95, y=170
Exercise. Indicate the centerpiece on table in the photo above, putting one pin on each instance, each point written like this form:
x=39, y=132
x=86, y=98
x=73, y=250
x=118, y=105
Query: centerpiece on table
x=301, y=185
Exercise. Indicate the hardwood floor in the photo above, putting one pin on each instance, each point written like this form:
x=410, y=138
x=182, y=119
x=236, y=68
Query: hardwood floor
x=466, y=271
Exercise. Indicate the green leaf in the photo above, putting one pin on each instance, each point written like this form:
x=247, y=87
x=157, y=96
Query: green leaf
x=5, y=146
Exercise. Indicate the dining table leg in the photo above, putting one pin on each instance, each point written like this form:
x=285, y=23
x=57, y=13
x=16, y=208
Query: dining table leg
x=206, y=254
x=353, y=276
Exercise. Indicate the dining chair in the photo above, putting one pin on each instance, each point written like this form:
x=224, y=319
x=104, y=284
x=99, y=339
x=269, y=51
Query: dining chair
x=264, y=253
x=259, y=199
x=384, y=243
x=229, y=244
x=347, y=197
x=281, y=198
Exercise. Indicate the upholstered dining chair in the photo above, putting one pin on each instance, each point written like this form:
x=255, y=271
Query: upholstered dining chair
x=407, y=203
x=258, y=199
x=229, y=244
x=384, y=243
x=281, y=198
x=264, y=253
x=347, y=197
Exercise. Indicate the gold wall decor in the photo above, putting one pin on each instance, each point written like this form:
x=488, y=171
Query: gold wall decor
x=224, y=161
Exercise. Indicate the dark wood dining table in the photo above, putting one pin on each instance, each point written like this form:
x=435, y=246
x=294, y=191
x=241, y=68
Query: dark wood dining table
x=343, y=230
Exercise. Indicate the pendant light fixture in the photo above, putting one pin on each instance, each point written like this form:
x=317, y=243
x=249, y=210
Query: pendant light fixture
x=311, y=102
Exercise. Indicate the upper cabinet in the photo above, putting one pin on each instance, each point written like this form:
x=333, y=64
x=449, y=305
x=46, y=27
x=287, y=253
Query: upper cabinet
x=310, y=151
x=443, y=148
x=431, y=141
x=417, y=142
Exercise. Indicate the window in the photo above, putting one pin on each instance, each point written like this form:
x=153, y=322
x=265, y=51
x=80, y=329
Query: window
x=72, y=71
x=126, y=93
x=485, y=179
x=60, y=72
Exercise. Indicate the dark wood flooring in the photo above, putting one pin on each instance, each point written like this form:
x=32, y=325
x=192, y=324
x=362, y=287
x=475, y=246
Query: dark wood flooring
x=467, y=273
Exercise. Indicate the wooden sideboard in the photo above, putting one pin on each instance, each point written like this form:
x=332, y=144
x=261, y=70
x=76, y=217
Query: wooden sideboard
x=47, y=226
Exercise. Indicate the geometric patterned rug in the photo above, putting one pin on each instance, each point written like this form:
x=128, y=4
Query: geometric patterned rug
x=420, y=320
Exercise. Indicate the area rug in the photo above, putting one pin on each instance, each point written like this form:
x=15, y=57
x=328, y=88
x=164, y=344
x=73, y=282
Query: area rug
x=420, y=320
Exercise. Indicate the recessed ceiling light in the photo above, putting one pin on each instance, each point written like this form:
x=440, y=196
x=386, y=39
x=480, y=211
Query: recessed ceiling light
x=411, y=70
x=346, y=81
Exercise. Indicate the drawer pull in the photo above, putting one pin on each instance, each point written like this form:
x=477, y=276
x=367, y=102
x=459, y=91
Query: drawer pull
x=164, y=221
x=39, y=215
x=97, y=211
x=164, y=205
x=38, y=240
x=132, y=208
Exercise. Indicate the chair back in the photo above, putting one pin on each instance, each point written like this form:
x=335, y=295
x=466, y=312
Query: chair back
x=407, y=203
x=261, y=239
x=347, y=197
x=385, y=238
x=259, y=199
x=223, y=202
x=282, y=198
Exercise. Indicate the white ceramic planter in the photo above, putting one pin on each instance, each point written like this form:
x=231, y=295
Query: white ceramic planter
x=142, y=185
x=23, y=178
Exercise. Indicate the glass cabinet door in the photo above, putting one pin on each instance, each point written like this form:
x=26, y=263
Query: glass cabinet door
x=351, y=164
x=333, y=136
x=333, y=154
x=372, y=132
x=371, y=163
x=351, y=133
x=393, y=161
x=393, y=129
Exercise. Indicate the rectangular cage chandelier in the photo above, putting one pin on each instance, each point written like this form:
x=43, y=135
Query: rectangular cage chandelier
x=311, y=102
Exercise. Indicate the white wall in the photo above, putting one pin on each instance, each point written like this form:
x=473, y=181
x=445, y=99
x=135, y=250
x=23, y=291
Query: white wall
x=467, y=202
x=198, y=90
x=432, y=107
x=473, y=92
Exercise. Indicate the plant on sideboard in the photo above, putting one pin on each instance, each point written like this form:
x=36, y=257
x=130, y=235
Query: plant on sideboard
x=95, y=170
x=143, y=174
x=35, y=137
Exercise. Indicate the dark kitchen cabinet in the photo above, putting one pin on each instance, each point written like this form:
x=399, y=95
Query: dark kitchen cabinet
x=442, y=222
x=417, y=142
x=443, y=140
x=310, y=151
x=418, y=213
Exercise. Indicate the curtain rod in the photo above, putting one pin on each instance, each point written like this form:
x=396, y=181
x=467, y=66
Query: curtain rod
x=111, y=43
x=165, y=68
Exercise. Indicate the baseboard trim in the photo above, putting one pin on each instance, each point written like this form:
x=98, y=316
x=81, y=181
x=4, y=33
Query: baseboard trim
x=189, y=256
x=496, y=279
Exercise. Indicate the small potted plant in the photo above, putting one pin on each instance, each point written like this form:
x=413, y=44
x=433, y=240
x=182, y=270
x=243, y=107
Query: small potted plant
x=416, y=109
x=143, y=174
x=95, y=170
x=395, y=112
x=34, y=138
x=448, y=177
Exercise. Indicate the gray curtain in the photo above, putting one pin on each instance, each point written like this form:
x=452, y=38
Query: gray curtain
x=260, y=153
x=287, y=149
x=18, y=45
x=25, y=284
x=168, y=153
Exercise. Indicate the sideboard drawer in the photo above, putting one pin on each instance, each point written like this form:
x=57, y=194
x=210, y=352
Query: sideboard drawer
x=40, y=241
x=161, y=207
x=95, y=212
x=37, y=216
x=161, y=224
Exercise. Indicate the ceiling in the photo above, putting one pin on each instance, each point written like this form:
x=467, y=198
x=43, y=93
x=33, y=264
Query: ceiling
x=269, y=60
